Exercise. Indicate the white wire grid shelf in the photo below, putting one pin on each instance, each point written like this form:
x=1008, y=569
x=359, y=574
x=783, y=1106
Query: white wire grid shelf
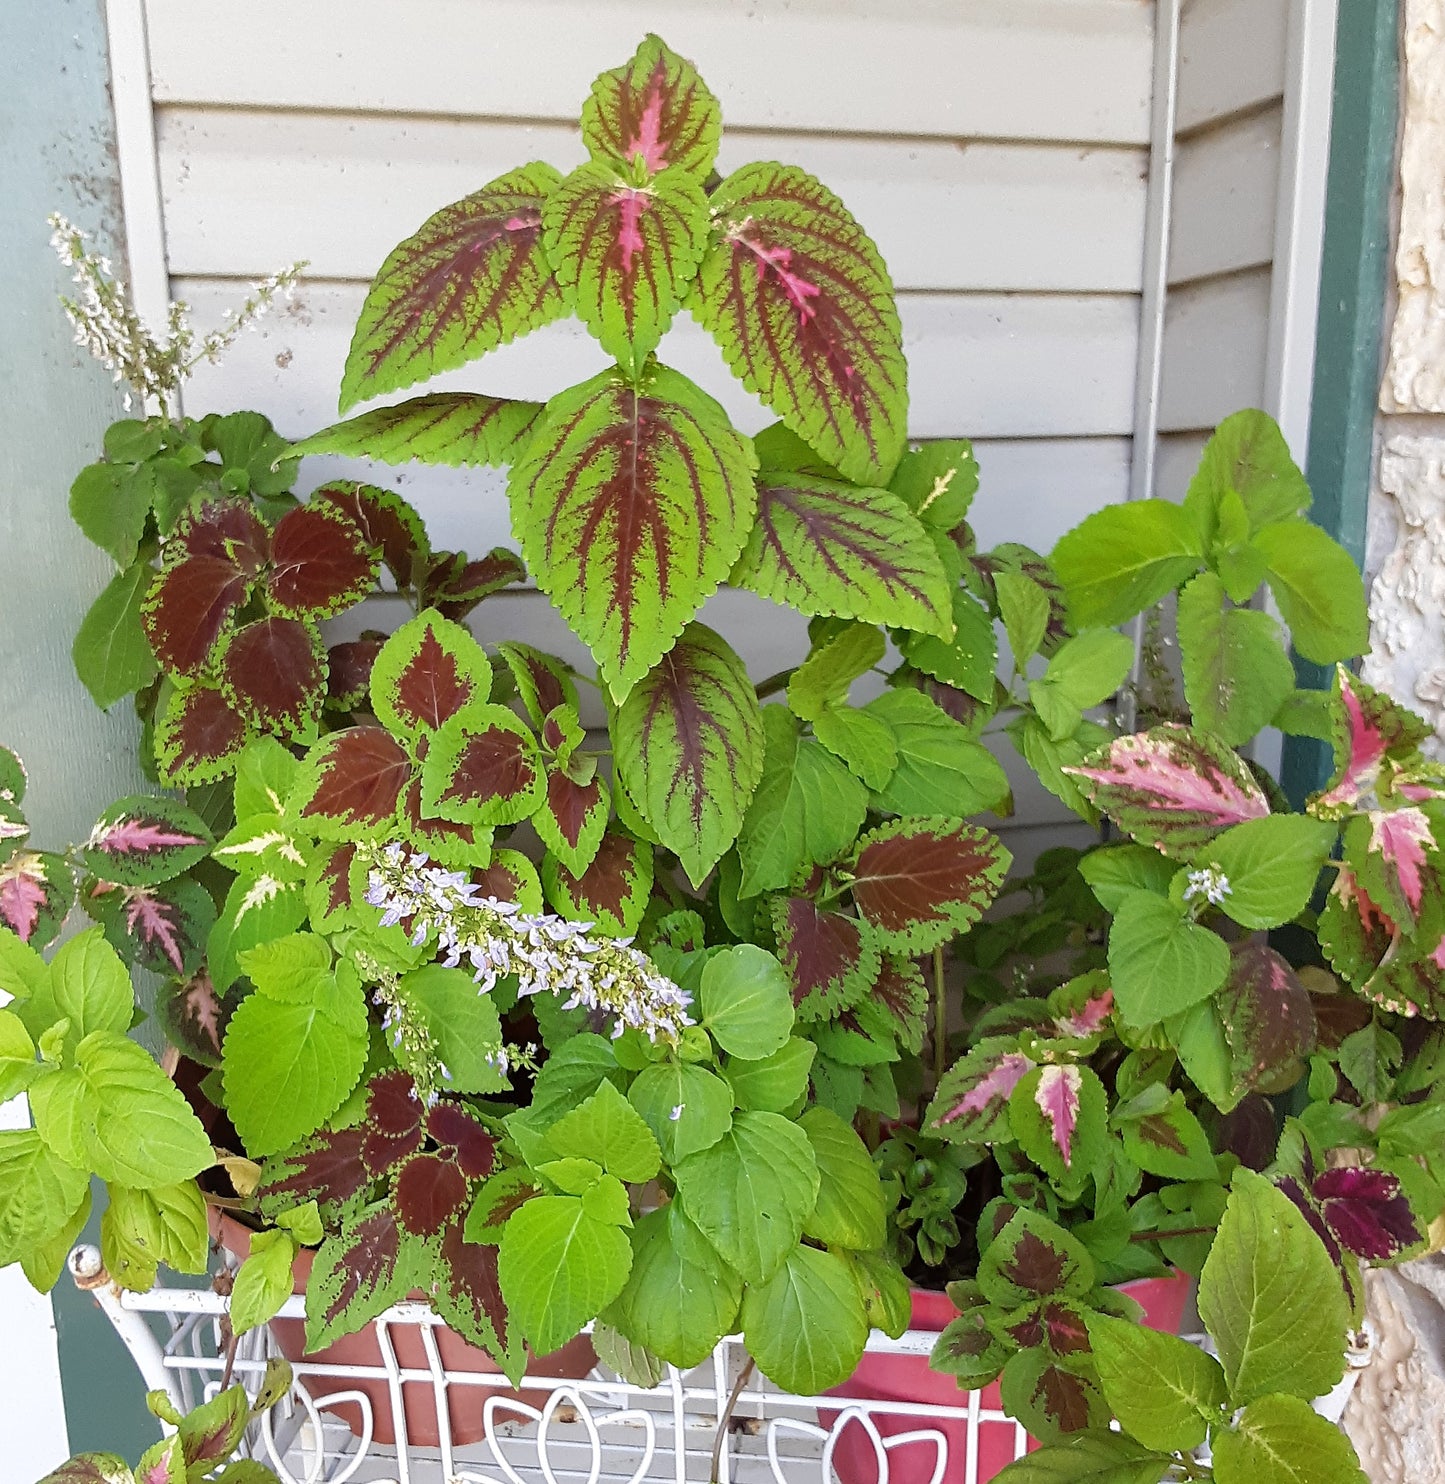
x=595, y=1429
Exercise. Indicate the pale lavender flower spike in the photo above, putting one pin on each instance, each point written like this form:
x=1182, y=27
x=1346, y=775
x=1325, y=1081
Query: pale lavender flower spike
x=546, y=953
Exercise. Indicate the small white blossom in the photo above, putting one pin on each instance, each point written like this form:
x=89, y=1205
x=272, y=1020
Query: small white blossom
x=676, y=1113
x=1210, y=883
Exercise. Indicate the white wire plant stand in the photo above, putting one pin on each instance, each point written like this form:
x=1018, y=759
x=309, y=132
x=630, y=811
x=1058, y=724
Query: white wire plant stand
x=594, y=1430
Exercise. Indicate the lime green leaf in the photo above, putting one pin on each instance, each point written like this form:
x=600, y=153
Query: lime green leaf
x=776, y=1083
x=969, y=659
x=1024, y=607
x=1091, y=1458
x=938, y=482
x=1319, y=590
x=940, y=767
x=112, y=655
x=559, y=1267
x=18, y=1067
x=23, y=973
x=1271, y=1297
x=851, y=1211
x=1085, y=672
x=1271, y=866
x=38, y=1191
x=1159, y=961
x=606, y=1128
x=618, y=484
x=116, y=1112
x=1282, y=1440
x=689, y=746
x=1248, y=456
x=1124, y=558
x=750, y=1193
x=746, y=1002
x=806, y=1326
x=1163, y=1390
x=864, y=741
x=1236, y=671
x=686, y=1107
x=45, y=1261
x=465, y=1030
x=825, y=677
x=1117, y=870
x=807, y=807
x=110, y=503
x=168, y=1222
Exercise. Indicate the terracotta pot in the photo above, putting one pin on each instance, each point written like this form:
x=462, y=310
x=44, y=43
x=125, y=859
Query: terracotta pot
x=908, y=1378
x=464, y=1403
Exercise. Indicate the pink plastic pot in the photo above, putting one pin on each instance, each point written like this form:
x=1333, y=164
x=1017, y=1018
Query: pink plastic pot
x=908, y=1378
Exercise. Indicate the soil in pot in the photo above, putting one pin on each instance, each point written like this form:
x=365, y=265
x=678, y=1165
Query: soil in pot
x=464, y=1403
x=908, y=1378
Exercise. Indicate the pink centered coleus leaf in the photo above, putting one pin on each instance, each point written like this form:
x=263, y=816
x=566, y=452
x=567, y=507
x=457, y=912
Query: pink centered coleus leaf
x=36, y=892
x=1057, y=1098
x=142, y=841
x=1171, y=787
x=971, y=1104
x=1402, y=837
x=1368, y=728
x=1088, y=1019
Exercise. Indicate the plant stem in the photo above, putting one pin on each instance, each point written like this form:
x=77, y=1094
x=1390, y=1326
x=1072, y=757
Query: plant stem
x=940, y=1018
x=774, y=683
x=1183, y=1231
x=726, y=1418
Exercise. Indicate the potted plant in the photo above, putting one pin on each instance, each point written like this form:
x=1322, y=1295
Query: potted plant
x=480, y=999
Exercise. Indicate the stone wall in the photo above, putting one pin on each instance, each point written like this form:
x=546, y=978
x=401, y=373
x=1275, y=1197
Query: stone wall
x=1405, y=562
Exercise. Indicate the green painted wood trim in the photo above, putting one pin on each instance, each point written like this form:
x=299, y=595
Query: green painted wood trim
x=1349, y=337
x=59, y=140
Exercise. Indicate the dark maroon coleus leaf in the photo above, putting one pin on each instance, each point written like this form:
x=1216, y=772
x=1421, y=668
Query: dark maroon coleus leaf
x=430, y=1191
x=351, y=783
x=1268, y=1018
x=321, y=562
x=188, y=608
x=1248, y=1132
x=572, y=818
x=431, y=671
x=198, y=735
x=393, y=1122
x=386, y=523
x=831, y=959
x=225, y=528
x=465, y=1140
x=918, y=882
x=482, y=767
x=348, y=672
x=273, y=672
x=326, y=1168
x=454, y=585
x=468, y=1295
x=1363, y=1211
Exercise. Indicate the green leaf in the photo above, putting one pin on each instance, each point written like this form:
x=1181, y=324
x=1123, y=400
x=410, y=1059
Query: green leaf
x=473, y=277
x=1163, y=1390
x=263, y=1281
x=110, y=504
x=45, y=1261
x=851, y=1211
x=689, y=744
x=750, y=1193
x=1091, y=1458
x=1116, y=871
x=1282, y=1440
x=746, y=1002
x=88, y=984
x=289, y=1063
x=1088, y=669
x=1124, y=558
x=559, y=1267
x=864, y=741
x=1271, y=1297
x=1319, y=590
x=826, y=676
x=805, y=1326
x=455, y=428
x=18, y=1067
x=1236, y=671
x=116, y=1113
x=680, y=1297
x=686, y=1107
x=1248, y=456
x=1159, y=961
x=465, y=1030
x=624, y=253
x=618, y=484
x=940, y=767
x=38, y=1191
x=1198, y=1035
x=1025, y=608
x=969, y=659
x=606, y=1128
x=1370, y=1057
x=938, y=482
x=776, y=1083
x=807, y=807
x=23, y=973
x=167, y=1224
x=254, y=912
x=795, y=294
x=112, y=655
x=1049, y=758
x=1271, y=865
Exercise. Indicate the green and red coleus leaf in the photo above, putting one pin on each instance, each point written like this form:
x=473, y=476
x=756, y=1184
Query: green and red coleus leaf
x=572, y=817
x=351, y=783
x=828, y=548
x=655, y=109
x=36, y=892
x=543, y=681
x=1051, y=1397
x=162, y=928
x=387, y=523
x=188, y=608
x=348, y=671
x=454, y=585
x=467, y=1293
x=273, y=675
x=831, y=959
x=612, y=892
x=689, y=746
x=426, y=672
x=198, y=736
x=326, y=1168
x=320, y=562
x=972, y=1102
x=444, y=840
x=453, y=428
x=797, y=297
x=918, y=882
x=473, y=277
x=370, y=1264
x=482, y=767
x=1171, y=787
x=1034, y=1258
x=625, y=252
x=632, y=504
x=1268, y=1016
x=143, y=841
x=496, y=1199
x=394, y=1122
x=194, y=1016
x=895, y=1005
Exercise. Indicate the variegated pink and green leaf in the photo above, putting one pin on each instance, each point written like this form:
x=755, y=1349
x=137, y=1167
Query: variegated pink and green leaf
x=918, y=882
x=1057, y=1113
x=543, y=681
x=1171, y=787
x=972, y=1102
x=572, y=817
x=482, y=767
x=473, y=277
x=655, y=109
x=689, y=747
x=612, y=892
x=386, y=522
x=36, y=892
x=194, y=1016
x=454, y=586
x=632, y=505
x=350, y=784
x=1411, y=980
x=1354, y=931
x=198, y=736
x=1368, y=728
x=273, y=675
x=143, y=841
x=452, y=428
x=1396, y=855
x=831, y=959
x=828, y=548
x=426, y=672
x=1268, y=1018
x=625, y=252
x=163, y=927
x=797, y=297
